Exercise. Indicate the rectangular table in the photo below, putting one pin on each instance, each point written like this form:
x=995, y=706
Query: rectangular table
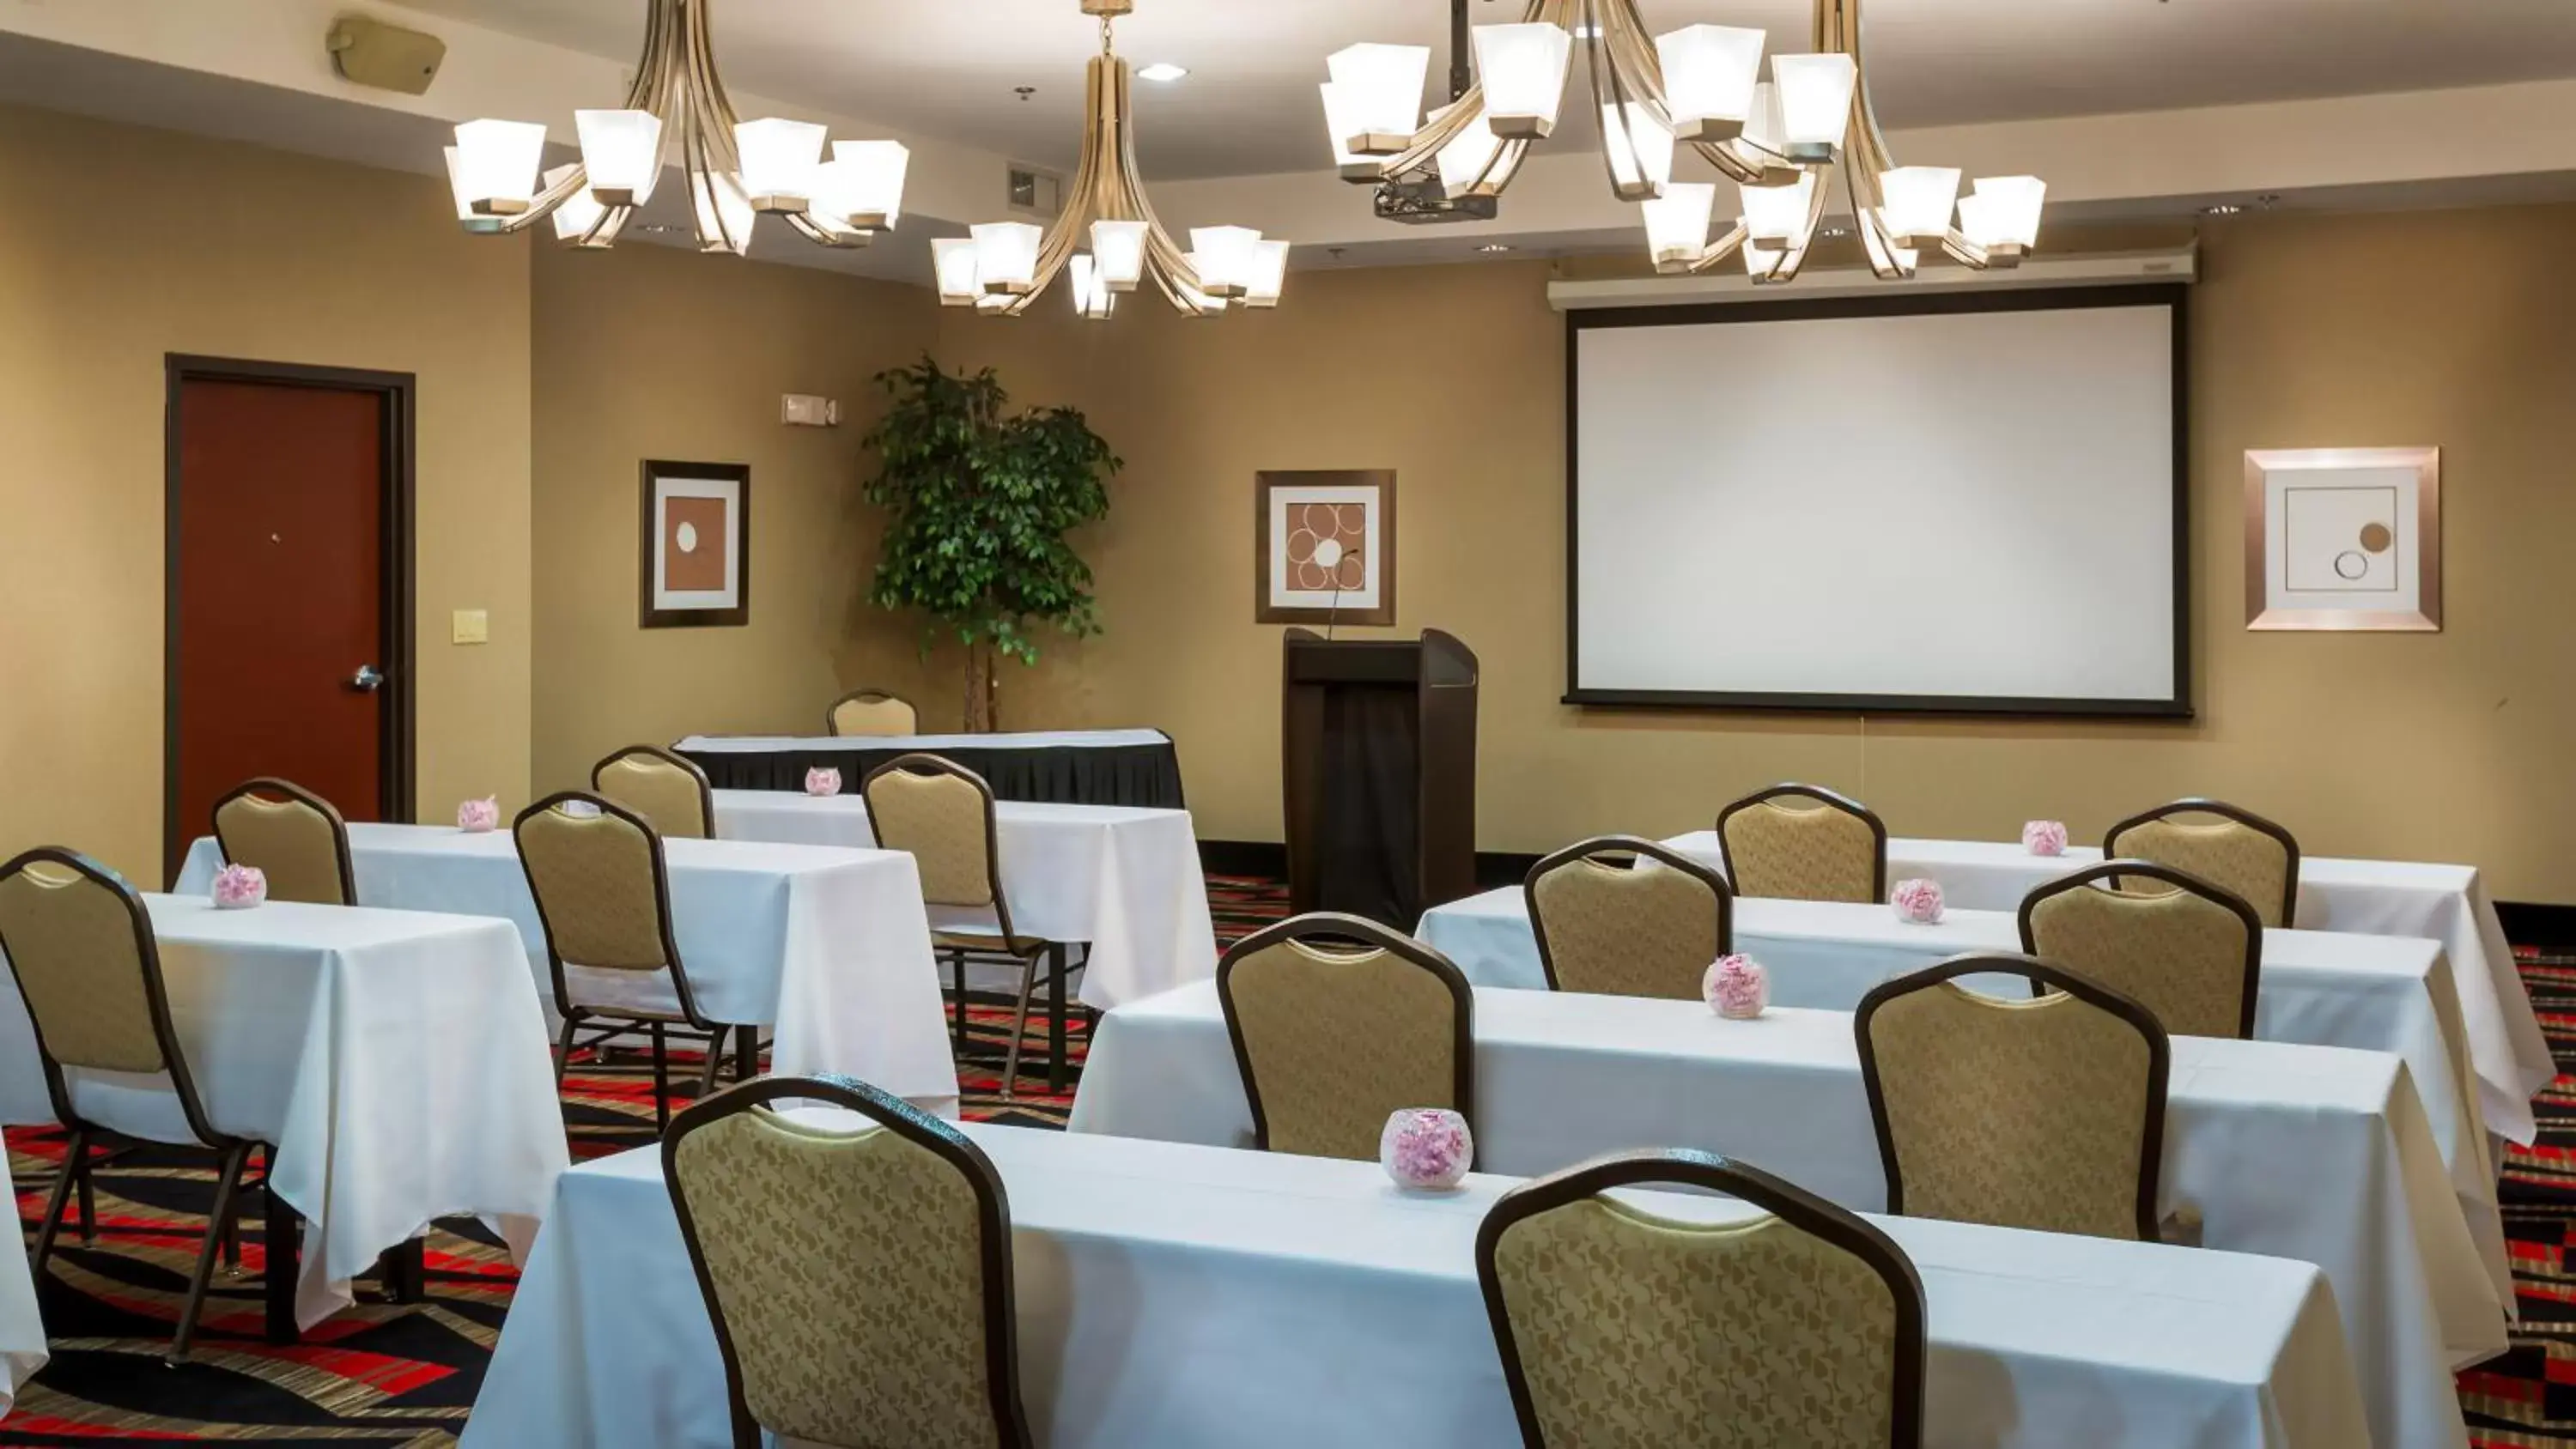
x=1075, y=767
x=394, y=1059
x=22, y=1331
x=831, y=947
x=2313, y=1153
x=2322, y=988
x=2448, y=903
x=1177, y=1297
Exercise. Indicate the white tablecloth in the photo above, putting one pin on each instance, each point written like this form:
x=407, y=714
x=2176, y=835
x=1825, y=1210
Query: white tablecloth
x=22, y=1332
x=1124, y=879
x=927, y=744
x=395, y=1060
x=2322, y=988
x=829, y=946
x=2312, y=1153
x=2448, y=903
x=1180, y=1297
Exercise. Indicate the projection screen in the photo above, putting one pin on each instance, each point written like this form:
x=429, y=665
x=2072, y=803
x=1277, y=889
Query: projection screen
x=1955, y=502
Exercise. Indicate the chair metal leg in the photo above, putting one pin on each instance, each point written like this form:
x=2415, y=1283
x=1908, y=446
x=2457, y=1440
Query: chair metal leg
x=1019, y=1029
x=285, y=1256
x=75, y=1153
x=227, y=1182
x=661, y=1079
x=715, y=1059
x=957, y=999
x=1056, y=972
x=563, y=1050
x=746, y=1053
x=88, y=1204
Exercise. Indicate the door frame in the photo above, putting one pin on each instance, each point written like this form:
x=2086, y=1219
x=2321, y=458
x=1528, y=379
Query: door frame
x=398, y=702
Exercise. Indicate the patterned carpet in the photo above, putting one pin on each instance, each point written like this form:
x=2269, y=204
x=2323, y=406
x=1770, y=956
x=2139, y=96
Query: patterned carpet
x=392, y=1375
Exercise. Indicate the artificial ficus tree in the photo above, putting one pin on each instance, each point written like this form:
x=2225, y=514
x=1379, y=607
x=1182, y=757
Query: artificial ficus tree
x=979, y=500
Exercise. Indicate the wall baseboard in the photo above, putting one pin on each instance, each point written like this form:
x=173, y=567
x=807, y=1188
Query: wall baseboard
x=1269, y=859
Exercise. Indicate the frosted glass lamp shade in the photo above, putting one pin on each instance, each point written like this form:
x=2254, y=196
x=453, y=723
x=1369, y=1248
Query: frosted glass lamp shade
x=1006, y=256
x=1091, y=296
x=579, y=212
x=1709, y=75
x=1119, y=247
x=1815, y=102
x=1380, y=88
x=1761, y=263
x=1640, y=151
x=1677, y=224
x=1225, y=258
x=1464, y=162
x=1762, y=127
x=779, y=157
x=1200, y=303
x=869, y=182
x=1777, y=215
x=952, y=260
x=1915, y=202
x=2014, y=206
x=622, y=151
x=496, y=165
x=1341, y=125
x=724, y=214
x=475, y=222
x=1523, y=70
x=1269, y=274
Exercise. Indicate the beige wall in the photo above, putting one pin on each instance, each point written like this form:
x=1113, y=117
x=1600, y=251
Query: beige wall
x=2439, y=328
x=124, y=244
x=650, y=352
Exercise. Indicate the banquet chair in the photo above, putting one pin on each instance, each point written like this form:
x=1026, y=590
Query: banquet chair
x=1621, y=916
x=670, y=792
x=1622, y=1328
x=1337, y=1022
x=941, y=814
x=858, y=1277
x=2227, y=845
x=89, y=970
x=603, y=896
x=1830, y=848
x=2044, y=1113
x=290, y=835
x=872, y=712
x=2191, y=954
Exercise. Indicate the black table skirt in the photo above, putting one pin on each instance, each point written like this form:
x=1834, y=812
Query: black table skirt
x=1148, y=775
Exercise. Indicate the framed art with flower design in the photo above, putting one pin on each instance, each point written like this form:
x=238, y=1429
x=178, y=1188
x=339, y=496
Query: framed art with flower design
x=697, y=544
x=1323, y=547
x=2344, y=539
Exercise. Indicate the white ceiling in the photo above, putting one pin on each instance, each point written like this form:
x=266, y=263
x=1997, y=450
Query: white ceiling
x=947, y=68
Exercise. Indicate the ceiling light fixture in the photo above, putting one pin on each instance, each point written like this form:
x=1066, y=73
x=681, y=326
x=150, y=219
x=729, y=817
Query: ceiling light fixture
x=1161, y=70
x=1778, y=140
x=1003, y=267
x=736, y=170
x=1495, y=247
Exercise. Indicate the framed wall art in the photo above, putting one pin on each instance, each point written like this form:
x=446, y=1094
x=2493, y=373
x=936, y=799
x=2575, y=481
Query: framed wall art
x=2344, y=539
x=697, y=544
x=1323, y=547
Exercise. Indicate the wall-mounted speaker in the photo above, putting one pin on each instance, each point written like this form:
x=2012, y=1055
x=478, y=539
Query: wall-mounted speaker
x=371, y=53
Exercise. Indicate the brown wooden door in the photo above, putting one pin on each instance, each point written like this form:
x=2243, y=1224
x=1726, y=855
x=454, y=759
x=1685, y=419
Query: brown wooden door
x=279, y=548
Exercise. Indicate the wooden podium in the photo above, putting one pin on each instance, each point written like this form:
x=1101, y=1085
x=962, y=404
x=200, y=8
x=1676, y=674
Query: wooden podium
x=1379, y=746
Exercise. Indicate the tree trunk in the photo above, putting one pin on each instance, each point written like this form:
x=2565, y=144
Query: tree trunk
x=979, y=688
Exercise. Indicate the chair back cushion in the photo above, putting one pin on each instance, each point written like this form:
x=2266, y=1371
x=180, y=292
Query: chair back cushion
x=1638, y=1332
x=850, y=1270
x=2022, y=1114
x=940, y=820
x=667, y=792
x=80, y=968
x=1646, y=930
x=297, y=846
x=1334, y=1042
x=2183, y=956
x=597, y=888
x=874, y=714
x=1815, y=853
x=2227, y=853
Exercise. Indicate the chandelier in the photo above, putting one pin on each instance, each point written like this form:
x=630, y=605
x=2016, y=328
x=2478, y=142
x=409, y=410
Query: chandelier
x=1000, y=268
x=736, y=171
x=1780, y=141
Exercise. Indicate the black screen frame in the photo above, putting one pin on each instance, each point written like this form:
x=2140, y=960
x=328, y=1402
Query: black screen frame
x=2173, y=295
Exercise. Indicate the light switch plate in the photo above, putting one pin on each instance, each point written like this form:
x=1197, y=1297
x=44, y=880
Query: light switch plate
x=470, y=626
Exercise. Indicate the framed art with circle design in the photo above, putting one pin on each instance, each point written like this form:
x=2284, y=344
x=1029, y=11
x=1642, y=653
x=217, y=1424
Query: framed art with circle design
x=696, y=545
x=2344, y=539
x=1323, y=547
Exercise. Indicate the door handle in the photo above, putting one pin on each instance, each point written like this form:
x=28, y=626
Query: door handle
x=367, y=680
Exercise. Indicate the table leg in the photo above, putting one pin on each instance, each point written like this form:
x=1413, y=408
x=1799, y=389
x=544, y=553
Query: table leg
x=404, y=1271
x=1056, y=969
x=284, y=1257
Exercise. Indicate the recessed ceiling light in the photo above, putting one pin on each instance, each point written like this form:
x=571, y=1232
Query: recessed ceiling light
x=1495, y=247
x=2224, y=208
x=1161, y=70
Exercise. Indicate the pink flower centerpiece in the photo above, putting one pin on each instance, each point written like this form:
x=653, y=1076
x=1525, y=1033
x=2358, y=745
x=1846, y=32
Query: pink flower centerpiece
x=1736, y=988
x=1917, y=902
x=2044, y=837
x=822, y=780
x=479, y=817
x=1426, y=1148
x=239, y=887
